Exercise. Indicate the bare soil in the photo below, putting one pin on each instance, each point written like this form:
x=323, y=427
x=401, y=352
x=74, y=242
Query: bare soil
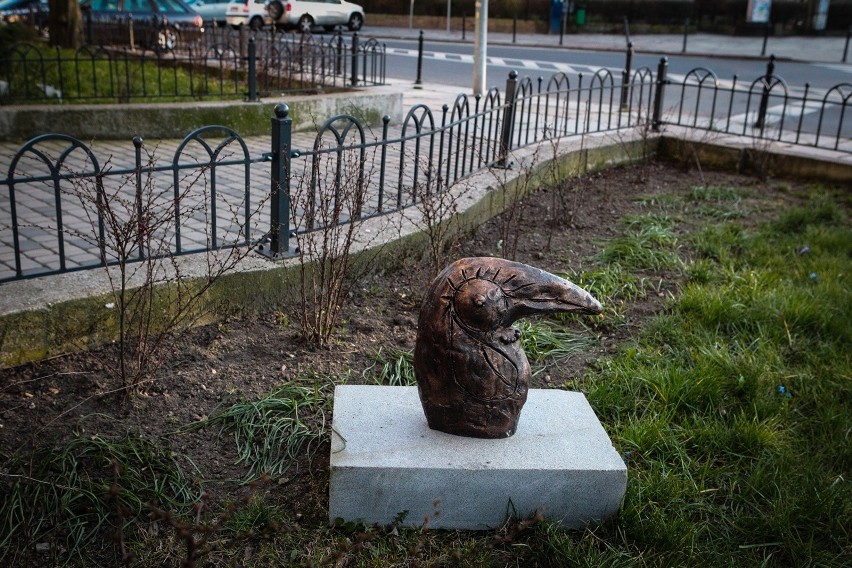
x=559, y=230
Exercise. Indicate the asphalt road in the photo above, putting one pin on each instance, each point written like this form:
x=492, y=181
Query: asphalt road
x=450, y=63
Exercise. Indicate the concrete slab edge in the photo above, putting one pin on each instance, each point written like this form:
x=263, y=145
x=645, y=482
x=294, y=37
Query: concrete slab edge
x=44, y=317
x=20, y=123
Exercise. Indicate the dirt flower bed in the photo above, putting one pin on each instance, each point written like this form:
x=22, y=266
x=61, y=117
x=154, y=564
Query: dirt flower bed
x=45, y=404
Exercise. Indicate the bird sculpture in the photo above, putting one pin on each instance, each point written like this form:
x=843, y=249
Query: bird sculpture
x=472, y=373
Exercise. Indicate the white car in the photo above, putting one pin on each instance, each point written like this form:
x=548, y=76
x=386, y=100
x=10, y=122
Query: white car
x=305, y=14
x=251, y=13
x=211, y=10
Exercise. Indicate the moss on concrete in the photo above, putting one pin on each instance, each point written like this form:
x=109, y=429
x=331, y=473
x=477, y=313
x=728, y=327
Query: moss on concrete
x=176, y=120
x=78, y=324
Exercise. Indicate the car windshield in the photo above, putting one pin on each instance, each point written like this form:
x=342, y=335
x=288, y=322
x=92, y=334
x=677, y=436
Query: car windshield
x=171, y=6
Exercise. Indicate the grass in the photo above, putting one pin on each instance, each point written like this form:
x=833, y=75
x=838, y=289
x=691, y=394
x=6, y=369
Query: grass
x=546, y=344
x=649, y=243
x=273, y=432
x=391, y=367
x=71, y=494
x=730, y=408
x=98, y=76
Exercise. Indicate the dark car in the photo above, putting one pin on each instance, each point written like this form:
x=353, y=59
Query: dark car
x=156, y=24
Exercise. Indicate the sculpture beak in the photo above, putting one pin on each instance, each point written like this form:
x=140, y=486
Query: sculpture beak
x=538, y=292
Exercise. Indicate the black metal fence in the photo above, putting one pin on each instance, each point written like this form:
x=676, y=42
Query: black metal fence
x=223, y=65
x=219, y=192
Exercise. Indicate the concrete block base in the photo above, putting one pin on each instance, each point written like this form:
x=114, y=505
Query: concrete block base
x=385, y=461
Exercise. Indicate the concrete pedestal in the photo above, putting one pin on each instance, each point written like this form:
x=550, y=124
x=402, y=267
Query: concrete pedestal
x=385, y=460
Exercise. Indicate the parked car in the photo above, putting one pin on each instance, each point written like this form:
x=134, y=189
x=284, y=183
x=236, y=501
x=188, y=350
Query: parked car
x=211, y=10
x=305, y=14
x=157, y=24
x=32, y=12
x=251, y=13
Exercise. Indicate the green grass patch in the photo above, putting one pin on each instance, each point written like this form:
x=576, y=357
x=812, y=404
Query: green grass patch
x=94, y=75
x=732, y=408
x=546, y=343
x=649, y=243
x=83, y=490
x=392, y=367
x=273, y=432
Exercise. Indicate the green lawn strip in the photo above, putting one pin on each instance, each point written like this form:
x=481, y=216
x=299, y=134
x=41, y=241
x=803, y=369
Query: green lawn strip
x=273, y=432
x=94, y=76
x=72, y=495
x=732, y=408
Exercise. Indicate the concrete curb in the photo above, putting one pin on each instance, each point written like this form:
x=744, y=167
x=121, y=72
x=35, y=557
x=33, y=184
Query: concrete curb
x=43, y=317
x=175, y=120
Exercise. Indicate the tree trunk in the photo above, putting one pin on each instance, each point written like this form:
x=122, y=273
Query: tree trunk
x=65, y=23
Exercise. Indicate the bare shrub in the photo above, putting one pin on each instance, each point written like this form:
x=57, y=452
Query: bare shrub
x=328, y=207
x=133, y=225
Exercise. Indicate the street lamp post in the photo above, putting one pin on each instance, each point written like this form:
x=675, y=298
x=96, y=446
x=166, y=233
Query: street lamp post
x=480, y=50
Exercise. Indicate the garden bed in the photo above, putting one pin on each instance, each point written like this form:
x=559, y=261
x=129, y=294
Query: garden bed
x=718, y=368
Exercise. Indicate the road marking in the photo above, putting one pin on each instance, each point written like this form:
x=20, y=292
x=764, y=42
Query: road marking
x=845, y=68
x=775, y=113
x=525, y=64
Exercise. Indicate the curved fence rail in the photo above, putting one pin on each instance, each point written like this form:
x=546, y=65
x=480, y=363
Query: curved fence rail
x=765, y=108
x=65, y=208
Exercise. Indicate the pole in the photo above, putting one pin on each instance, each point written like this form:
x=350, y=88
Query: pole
x=625, y=79
x=355, y=59
x=252, y=71
x=411, y=16
x=514, y=28
x=279, y=230
x=480, y=50
x=449, y=14
x=685, y=34
x=764, y=98
x=508, y=120
x=846, y=47
x=464, y=26
x=418, y=84
x=765, y=38
x=662, y=69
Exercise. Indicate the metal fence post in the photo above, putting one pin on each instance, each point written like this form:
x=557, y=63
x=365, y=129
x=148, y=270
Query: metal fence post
x=279, y=229
x=419, y=80
x=764, y=97
x=252, y=71
x=88, y=13
x=355, y=59
x=625, y=77
x=340, y=70
x=140, y=216
x=662, y=69
x=508, y=120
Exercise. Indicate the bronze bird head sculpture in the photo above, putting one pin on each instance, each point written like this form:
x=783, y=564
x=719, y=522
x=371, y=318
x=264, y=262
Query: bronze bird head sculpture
x=472, y=374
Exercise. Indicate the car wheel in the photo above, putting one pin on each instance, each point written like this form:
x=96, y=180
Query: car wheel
x=167, y=38
x=275, y=9
x=305, y=24
x=356, y=20
x=256, y=23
